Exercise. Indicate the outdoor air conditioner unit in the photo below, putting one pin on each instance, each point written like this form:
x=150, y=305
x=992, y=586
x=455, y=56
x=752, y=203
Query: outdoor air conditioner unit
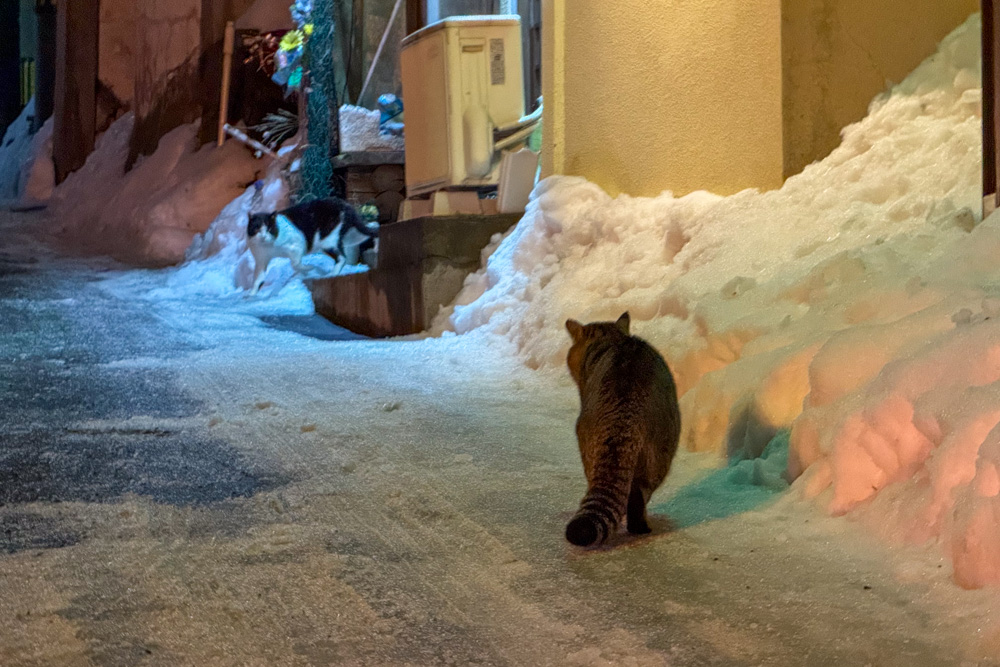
x=462, y=79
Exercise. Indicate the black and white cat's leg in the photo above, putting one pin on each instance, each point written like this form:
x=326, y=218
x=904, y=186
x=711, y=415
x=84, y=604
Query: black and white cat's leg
x=259, y=270
x=295, y=257
x=331, y=245
x=337, y=255
x=306, y=270
x=353, y=254
x=636, y=512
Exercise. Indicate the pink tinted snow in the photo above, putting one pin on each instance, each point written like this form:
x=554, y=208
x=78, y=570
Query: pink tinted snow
x=856, y=306
x=149, y=215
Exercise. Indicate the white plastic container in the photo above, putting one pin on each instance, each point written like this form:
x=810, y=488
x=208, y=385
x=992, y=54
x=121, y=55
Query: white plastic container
x=461, y=78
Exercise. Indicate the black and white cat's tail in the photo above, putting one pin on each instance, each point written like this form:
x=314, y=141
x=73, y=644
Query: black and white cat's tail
x=604, y=507
x=354, y=219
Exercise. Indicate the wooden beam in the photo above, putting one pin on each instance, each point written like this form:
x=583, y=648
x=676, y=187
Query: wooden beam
x=77, y=29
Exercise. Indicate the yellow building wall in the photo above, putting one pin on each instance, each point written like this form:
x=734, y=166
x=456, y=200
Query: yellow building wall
x=839, y=54
x=643, y=96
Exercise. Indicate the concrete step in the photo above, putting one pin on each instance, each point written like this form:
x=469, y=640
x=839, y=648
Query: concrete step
x=422, y=264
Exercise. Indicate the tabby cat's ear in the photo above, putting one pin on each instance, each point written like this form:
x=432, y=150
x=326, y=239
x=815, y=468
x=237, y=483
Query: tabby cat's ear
x=623, y=323
x=575, y=329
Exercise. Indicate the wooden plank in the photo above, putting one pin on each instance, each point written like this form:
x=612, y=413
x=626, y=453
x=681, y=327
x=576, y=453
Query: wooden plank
x=77, y=26
x=422, y=264
x=459, y=238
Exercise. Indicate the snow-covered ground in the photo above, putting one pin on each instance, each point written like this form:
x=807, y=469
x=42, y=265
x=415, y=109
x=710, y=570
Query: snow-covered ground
x=844, y=328
x=414, y=492
x=195, y=484
x=855, y=309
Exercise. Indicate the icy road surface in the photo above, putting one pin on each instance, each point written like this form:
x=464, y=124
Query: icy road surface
x=187, y=482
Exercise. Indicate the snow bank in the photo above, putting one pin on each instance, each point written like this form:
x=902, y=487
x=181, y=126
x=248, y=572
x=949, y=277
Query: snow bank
x=856, y=307
x=149, y=215
x=27, y=174
x=218, y=264
x=218, y=261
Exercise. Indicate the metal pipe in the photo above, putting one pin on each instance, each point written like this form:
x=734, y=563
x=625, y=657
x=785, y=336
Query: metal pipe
x=378, y=51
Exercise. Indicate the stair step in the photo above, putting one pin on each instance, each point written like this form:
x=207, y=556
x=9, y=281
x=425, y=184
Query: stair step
x=422, y=265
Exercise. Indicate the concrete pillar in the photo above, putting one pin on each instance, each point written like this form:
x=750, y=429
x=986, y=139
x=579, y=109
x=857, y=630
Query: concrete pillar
x=724, y=95
x=642, y=97
x=837, y=55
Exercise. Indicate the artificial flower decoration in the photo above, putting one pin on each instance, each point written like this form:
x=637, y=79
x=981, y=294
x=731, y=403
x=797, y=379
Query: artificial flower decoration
x=288, y=59
x=292, y=40
x=301, y=12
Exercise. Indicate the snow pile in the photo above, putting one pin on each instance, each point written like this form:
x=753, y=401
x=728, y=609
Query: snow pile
x=359, y=131
x=149, y=215
x=218, y=262
x=857, y=307
x=27, y=174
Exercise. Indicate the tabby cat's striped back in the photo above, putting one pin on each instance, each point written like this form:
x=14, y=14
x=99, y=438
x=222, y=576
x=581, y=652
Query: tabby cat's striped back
x=628, y=428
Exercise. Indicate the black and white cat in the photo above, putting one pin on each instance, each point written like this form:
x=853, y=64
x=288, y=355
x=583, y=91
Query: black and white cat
x=323, y=225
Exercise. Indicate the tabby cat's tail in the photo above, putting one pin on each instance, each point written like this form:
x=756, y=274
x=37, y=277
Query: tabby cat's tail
x=603, y=508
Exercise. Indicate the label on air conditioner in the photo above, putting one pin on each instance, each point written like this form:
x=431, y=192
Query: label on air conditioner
x=498, y=72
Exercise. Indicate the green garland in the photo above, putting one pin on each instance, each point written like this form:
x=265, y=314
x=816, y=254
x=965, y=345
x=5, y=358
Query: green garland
x=321, y=106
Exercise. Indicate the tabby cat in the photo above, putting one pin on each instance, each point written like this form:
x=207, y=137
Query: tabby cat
x=628, y=428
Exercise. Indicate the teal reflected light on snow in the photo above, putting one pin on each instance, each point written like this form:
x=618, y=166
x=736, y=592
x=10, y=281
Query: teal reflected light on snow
x=743, y=485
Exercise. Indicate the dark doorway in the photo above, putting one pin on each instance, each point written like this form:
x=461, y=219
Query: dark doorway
x=10, y=62
x=991, y=119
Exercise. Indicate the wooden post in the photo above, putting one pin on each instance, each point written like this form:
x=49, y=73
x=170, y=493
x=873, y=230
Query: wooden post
x=416, y=15
x=77, y=26
x=227, y=68
x=214, y=15
x=991, y=119
x=355, y=52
